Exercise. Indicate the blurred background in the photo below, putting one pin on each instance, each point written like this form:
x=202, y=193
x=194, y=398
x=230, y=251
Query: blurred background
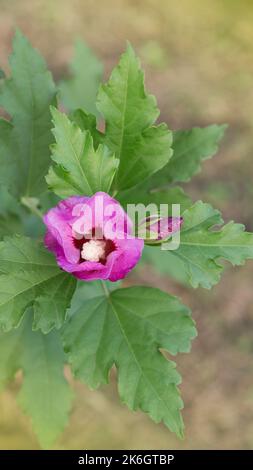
x=198, y=59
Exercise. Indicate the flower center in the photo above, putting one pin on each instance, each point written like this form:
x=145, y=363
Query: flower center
x=93, y=250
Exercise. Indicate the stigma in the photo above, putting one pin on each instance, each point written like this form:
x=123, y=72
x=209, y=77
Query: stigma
x=93, y=250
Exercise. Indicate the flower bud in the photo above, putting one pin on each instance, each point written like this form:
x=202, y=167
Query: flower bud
x=158, y=229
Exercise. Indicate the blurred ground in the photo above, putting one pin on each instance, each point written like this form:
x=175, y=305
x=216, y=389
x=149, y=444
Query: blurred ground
x=198, y=57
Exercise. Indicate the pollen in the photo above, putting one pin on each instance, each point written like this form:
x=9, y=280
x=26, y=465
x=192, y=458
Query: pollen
x=93, y=250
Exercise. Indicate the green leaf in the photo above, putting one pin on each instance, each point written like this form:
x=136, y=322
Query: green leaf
x=10, y=351
x=8, y=204
x=15, y=218
x=127, y=327
x=24, y=143
x=10, y=214
x=87, y=122
x=59, y=180
x=130, y=115
x=10, y=224
x=202, y=246
x=30, y=276
x=190, y=148
x=7, y=148
x=168, y=196
x=81, y=169
x=80, y=90
x=165, y=264
x=50, y=308
x=45, y=394
x=88, y=290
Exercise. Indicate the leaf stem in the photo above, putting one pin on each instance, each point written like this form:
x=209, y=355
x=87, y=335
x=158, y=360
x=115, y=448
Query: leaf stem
x=104, y=286
x=115, y=192
x=31, y=203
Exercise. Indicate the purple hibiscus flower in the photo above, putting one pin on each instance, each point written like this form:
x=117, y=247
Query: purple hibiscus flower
x=91, y=237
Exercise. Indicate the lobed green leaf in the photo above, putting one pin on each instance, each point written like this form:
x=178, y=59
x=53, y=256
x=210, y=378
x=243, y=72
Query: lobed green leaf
x=45, y=394
x=130, y=114
x=203, y=246
x=190, y=148
x=24, y=142
x=80, y=90
x=126, y=327
x=30, y=277
x=80, y=168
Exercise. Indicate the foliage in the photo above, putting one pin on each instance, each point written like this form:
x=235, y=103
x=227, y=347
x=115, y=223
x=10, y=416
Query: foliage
x=137, y=161
x=80, y=89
